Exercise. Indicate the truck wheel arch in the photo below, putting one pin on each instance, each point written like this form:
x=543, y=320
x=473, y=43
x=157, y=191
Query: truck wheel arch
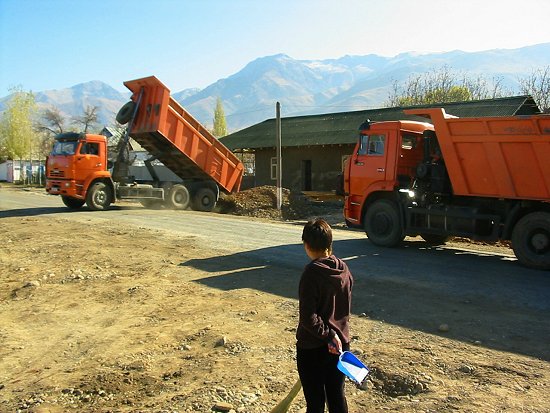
x=178, y=197
x=376, y=197
x=204, y=199
x=99, y=195
x=383, y=223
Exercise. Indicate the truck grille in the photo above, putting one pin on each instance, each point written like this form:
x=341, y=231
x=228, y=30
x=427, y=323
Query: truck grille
x=57, y=174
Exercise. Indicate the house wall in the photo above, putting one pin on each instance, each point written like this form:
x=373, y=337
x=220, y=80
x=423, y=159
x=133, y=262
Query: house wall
x=19, y=171
x=326, y=165
x=4, y=171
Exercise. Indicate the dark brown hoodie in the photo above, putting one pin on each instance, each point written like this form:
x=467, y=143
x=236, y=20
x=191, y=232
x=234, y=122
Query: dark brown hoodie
x=325, y=302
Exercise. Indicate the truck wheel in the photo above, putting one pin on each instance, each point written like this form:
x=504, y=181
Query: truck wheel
x=178, y=197
x=204, y=200
x=382, y=224
x=72, y=203
x=531, y=240
x=435, y=239
x=98, y=197
x=126, y=112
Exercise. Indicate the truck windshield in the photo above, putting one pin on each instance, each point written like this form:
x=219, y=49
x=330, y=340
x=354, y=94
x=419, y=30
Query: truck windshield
x=64, y=147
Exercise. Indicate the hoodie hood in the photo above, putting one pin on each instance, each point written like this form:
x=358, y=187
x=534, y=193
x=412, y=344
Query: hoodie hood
x=332, y=267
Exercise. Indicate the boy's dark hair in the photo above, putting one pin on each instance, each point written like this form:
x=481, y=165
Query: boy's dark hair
x=317, y=235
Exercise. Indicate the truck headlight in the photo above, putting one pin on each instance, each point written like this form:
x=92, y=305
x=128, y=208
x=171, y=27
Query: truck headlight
x=409, y=192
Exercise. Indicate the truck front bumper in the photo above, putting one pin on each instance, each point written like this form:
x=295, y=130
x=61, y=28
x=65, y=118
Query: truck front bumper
x=63, y=187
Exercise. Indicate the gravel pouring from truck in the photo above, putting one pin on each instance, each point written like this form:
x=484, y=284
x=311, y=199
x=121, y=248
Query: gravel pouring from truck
x=77, y=168
x=482, y=178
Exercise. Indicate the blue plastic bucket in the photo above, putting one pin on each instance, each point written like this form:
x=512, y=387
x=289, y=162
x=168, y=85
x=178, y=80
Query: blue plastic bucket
x=352, y=367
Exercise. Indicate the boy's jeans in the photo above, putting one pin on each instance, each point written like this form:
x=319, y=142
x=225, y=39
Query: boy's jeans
x=320, y=376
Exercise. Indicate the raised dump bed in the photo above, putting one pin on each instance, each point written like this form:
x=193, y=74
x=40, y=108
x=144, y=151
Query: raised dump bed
x=169, y=133
x=500, y=157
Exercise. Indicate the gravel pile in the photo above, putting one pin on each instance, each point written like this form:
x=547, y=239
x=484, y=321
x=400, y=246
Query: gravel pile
x=261, y=202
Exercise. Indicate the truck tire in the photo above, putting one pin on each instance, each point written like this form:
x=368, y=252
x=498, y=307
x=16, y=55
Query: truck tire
x=126, y=112
x=178, y=197
x=204, y=200
x=435, y=239
x=72, y=203
x=531, y=240
x=383, y=225
x=99, y=197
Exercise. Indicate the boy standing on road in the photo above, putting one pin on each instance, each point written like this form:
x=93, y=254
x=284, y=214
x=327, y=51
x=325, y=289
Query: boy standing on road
x=323, y=329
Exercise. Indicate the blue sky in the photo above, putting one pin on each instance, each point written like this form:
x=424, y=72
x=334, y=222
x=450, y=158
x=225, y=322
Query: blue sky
x=53, y=44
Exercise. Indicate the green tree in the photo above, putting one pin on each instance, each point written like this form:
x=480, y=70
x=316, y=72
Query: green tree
x=220, y=126
x=16, y=125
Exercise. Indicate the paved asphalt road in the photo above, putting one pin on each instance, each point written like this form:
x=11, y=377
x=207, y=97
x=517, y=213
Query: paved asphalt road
x=414, y=286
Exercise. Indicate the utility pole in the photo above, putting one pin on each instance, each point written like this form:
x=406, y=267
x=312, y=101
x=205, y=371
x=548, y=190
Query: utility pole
x=279, y=157
x=29, y=178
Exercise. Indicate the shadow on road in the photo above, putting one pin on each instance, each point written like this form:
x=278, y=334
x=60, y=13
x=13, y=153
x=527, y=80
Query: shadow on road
x=31, y=212
x=487, y=299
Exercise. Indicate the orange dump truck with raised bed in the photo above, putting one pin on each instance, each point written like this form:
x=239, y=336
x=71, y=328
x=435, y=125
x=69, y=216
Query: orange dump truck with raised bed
x=78, y=170
x=485, y=178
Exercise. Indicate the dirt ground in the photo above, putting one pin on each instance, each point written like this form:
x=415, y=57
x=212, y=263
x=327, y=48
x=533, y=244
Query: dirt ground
x=92, y=324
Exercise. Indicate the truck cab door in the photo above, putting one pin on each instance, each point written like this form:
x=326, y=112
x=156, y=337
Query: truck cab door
x=366, y=172
x=88, y=160
x=369, y=162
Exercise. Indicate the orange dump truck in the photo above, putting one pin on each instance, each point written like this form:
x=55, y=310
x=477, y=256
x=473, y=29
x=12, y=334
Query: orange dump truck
x=481, y=178
x=78, y=170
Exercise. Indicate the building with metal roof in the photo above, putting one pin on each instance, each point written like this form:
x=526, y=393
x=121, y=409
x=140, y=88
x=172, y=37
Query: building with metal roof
x=314, y=147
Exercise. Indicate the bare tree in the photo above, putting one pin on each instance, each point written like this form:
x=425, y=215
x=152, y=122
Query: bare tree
x=481, y=88
x=44, y=144
x=538, y=86
x=52, y=122
x=441, y=86
x=87, y=119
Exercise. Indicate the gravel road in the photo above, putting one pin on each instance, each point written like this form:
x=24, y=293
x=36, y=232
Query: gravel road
x=415, y=286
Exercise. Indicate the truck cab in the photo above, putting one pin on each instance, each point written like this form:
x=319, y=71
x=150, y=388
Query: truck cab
x=384, y=160
x=76, y=164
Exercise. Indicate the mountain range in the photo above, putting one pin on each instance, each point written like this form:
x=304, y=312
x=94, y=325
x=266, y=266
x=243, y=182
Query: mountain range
x=308, y=86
